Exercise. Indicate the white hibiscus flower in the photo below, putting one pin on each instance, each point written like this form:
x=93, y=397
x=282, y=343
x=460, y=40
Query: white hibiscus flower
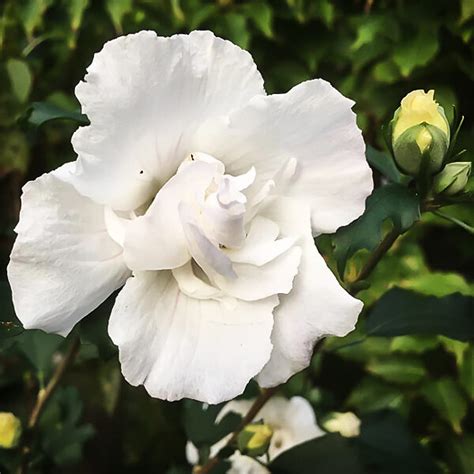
x=293, y=422
x=201, y=195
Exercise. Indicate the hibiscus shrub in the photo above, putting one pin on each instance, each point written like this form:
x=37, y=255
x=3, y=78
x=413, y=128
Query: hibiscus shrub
x=210, y=194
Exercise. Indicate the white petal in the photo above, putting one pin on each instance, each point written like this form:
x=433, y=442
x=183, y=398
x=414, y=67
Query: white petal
x=156, y=240
x=63, y=263
x=211, y=259
x=261, y=245
x=193, y=286
x=241, y=464
x=293, y=421
x=177, y=346
x=145, y=96
x=296, y=422
x=317, y=306
x=256, y=282
x=313, y=123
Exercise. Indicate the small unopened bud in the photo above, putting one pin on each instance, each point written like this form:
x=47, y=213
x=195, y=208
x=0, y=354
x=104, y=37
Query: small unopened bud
x=419, y=128
x=255, y=439
x=453, y=178
x=10, y=430
x=346, y=424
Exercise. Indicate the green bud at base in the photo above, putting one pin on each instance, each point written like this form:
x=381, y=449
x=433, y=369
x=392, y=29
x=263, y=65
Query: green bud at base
x=453, y=179
x=416, y=142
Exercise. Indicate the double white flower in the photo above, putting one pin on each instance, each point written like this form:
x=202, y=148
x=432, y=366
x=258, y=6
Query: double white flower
x=200, y=195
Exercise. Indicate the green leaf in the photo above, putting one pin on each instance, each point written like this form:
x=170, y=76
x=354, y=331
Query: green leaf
x=42, y=112
x=439, y=284
x=14, y=152
x=325, y=10
x=467, y=11
x=394, y=202
x=75, y=9
x=384, y=163
x=235, y=27
x=372, y=27
x=456, y=348
x=20, y=78
x=386, y=72
x=117, y=9
x=401, y=312
x=31, y=14
x=447, y=398
x=386, y=444
x=62, y=436
x=461, y=454
x=330, y=454
x=39, y=347
x=417, y=51
x=466, y=377
x=373, y=394
x=197, y=17
x=398, y=369
x=262, y=16
x=413, y=344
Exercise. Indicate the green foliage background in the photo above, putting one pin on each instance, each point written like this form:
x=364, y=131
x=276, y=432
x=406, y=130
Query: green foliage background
x=374, y=51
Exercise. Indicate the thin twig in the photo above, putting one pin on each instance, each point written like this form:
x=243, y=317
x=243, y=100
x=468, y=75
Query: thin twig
x=248, y=418
x=45, y=394
x=43, y=397
x=373, y=260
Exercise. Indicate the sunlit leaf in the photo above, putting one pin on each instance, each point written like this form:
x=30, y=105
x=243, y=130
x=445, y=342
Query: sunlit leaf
x=447, y=398
x=20, y=78
x=262, y=16
x=416, y=51
x=117, y=9
x=398, y=369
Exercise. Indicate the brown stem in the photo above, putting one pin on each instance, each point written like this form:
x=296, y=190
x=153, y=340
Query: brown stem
x=248, y=418
x=43, y=396
x=373, y=260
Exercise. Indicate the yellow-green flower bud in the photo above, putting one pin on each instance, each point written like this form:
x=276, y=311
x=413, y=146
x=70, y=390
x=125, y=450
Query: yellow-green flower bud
x=346, y=424
x=255, y=439
x=419, y=127
x=453, y=178
x=10, y=430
